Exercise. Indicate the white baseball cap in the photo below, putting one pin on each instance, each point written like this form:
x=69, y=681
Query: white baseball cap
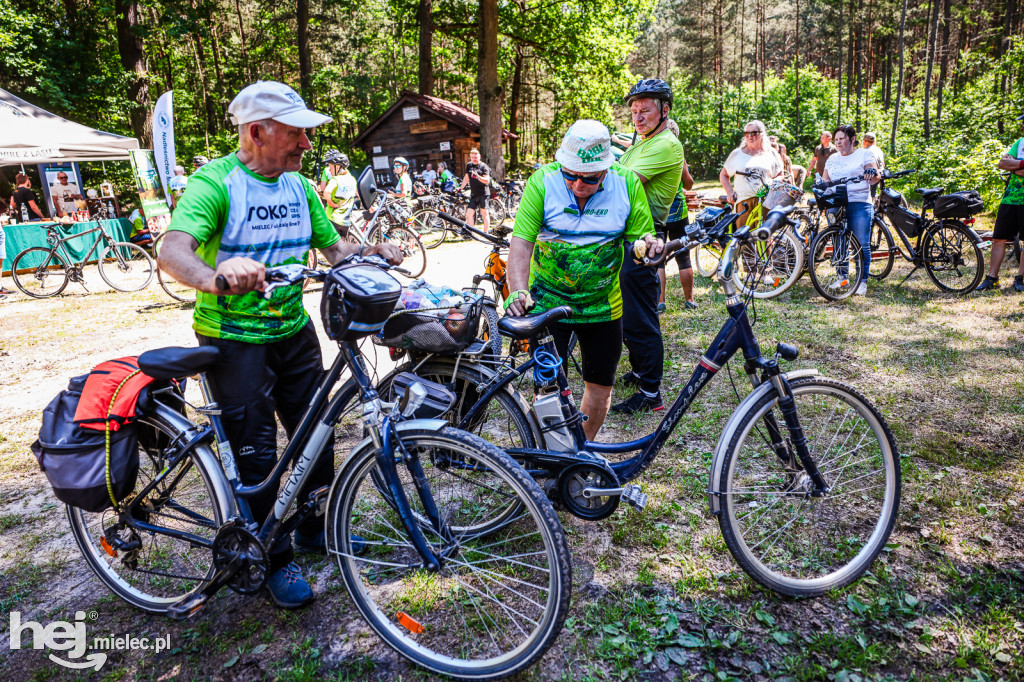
x=270, y=99
x=586, y=147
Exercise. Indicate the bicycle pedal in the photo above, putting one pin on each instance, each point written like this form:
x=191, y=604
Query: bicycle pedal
x=319, y=498
x=187, y=607
x=635, y=497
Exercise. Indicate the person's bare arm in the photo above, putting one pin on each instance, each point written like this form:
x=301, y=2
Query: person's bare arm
x=465, y=181
x=178, y=258
x=687, y=178
x=723, y=177
x=1008, y=163
x=32, y=204
x=340, y=250
x=518, y=272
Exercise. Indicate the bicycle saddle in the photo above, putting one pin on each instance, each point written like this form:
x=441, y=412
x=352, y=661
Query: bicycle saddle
x=175, y=362
x=520, y=328
x=929, y=192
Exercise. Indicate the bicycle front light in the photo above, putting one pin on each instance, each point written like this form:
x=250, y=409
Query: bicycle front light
x=412, y=399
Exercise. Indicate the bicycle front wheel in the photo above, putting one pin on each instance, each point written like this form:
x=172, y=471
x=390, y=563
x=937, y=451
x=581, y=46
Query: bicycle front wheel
x=46, y=272
x=706, y=258
x=152, y=570
x=952, y=259
x=883, y=252
x=432, y=229
x=496, y=211
x=413, y=254
x=768, y=269
x=126, y=267
x=171, y=286
x=782, y=536
x=836, y=263
x=498, y=601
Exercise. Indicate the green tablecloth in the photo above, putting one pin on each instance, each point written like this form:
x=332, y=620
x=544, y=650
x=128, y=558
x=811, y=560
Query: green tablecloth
x=24, y=235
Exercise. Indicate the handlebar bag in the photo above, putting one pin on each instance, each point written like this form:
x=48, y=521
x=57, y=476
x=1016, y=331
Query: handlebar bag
x=75, y=459
x=357, y=300
x=891, y=197
x=959, y=205
x=833, y=197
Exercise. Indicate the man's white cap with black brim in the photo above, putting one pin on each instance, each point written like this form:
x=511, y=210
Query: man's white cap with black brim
x=273, y=100
x=586, y=148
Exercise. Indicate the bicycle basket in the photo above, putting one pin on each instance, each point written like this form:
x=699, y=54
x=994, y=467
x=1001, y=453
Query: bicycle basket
x=891, y=197
x=782, y=194
x=833, y=197
x=959, y=205
x=357, y=300
x=434, y=330
x=909, y=223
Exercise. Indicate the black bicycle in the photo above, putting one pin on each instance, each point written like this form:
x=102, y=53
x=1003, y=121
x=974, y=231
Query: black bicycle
x=433, y=230
x=836, y=260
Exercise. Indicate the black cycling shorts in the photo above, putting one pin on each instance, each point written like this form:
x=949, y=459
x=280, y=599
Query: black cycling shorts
x=600, y=346
x=1009, y=222
x=478, y=201
x=676, y=230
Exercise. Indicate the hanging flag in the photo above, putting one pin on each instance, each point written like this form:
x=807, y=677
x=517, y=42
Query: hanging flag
x=163, y=140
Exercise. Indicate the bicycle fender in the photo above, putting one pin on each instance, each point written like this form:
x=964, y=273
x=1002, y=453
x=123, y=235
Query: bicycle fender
x=718, y=458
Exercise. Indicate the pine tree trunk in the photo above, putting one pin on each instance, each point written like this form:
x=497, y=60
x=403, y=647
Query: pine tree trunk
x=302, y=40
x=513, y=112
x=933, y=31
x=849, y=54
x=839, y=72
x=899, y=83
x=242, y=41
x=133, y=60
x=489, y=90
x=222, y=102
x=796, y=69
x=425, y=18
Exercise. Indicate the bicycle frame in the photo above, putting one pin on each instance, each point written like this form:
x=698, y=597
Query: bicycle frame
x=101, y=237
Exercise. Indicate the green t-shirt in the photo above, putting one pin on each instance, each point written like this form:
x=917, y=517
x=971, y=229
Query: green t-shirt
x=1014, y=194
x=660, y=160
x=325, y=174
x=577, y=254
x=232, y=211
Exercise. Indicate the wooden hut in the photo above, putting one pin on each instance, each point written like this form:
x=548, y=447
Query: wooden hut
x=424, y=130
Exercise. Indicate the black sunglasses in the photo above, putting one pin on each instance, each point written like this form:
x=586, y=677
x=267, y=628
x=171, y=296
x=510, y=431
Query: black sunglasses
x=586, y=180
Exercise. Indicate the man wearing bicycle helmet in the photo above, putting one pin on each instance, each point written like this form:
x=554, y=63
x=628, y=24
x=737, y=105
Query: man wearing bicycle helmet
x=575, y=219
x=657, y=159
x=244, y=212
x=340, y=192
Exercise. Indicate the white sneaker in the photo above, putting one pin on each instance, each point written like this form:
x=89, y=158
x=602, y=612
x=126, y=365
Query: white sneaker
x=862, y=289
x=839, y=283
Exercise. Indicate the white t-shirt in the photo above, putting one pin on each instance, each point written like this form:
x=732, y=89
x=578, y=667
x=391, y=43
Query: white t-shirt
x=57, y=192
x=850, y=166
x=429, y=177
x=768, y=163
x=879, y=156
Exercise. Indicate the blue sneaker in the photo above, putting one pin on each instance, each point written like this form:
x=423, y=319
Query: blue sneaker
x=288, y=588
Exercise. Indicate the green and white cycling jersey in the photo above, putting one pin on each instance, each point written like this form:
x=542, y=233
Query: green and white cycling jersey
x=577, y=254
x=1014, y=193
x=342, y=190
x=232, y=211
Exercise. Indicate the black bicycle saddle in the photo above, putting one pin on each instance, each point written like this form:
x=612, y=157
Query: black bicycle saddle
x=520, y=328
x=175, y=362
x=929, y=192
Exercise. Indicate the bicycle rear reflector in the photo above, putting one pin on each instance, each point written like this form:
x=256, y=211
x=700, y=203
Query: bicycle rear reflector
x=107, y=548
x=409, y=623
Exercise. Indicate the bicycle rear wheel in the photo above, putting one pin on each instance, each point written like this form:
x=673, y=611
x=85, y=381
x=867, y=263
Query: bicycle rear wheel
x=46, y=278
x=952, y=259
x=126, y=267
x=836, y=263
x=171, y=286
x=432, y=229
x=496, y=211
x=413, y=253
x=499, y=600
x=768, y=269
x=783, y=537
x=151, y=571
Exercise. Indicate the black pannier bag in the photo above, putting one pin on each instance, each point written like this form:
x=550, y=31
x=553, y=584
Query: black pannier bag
x=833, y=197
x=959, y=205
x=75, y=459
x=357, y=301
x=907, y=221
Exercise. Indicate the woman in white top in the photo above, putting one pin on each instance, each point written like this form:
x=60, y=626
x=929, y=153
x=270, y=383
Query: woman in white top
x=850, y=162
x=754, y=154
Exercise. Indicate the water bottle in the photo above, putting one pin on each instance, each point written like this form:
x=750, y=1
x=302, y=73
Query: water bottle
x=548, y=409
x=24, y=213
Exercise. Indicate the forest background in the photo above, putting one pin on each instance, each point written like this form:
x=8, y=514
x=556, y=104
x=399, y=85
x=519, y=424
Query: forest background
x=940, y=82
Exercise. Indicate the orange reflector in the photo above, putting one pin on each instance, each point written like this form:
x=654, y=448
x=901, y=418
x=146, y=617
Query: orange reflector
x=409, y=623
x=107, y=548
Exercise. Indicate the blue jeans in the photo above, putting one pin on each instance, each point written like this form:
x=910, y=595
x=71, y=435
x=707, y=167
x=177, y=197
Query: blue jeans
x=859, y=215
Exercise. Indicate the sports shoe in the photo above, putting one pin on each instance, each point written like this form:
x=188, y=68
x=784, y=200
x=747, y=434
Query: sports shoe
x=661, y=308
x=288, y=589
x=989, y=282
x=639, y=403
x=1018, y=284
x=862, y=289
x=839, y=283
x=5, y=292
x=690, y=305
x=630, y=379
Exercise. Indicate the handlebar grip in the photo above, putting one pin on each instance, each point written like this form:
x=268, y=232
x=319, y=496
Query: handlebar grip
x=222, y=283
x=666, y=251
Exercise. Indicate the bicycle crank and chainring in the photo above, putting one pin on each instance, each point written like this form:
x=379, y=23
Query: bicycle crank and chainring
x=579, y=477
x=236, y=543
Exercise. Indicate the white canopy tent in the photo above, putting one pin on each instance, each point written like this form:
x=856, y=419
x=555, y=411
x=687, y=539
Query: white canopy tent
x=30, y=135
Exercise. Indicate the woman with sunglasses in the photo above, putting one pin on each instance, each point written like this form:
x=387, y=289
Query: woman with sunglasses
x=754, y=155
x=575, y=219
x=403, y=188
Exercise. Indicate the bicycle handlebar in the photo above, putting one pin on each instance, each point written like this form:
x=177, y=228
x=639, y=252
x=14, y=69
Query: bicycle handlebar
x=293, y=273
x=470, y=231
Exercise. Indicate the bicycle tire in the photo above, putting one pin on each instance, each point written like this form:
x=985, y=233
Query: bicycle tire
x=489, y=331
x=496, y=211
x=706, y=258
x=836, y=263
x=126, y=267
x=406, y=240
x=775, y=271
x=881, y=240
x=46, y=279
x=189, y=487
x=949, y=249
x=445, y=621
x=432, y=229
x=758, y=490
x=171, y=286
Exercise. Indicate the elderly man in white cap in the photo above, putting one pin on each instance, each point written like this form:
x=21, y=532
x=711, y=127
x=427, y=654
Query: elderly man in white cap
x=575, y=218
x=247, y=211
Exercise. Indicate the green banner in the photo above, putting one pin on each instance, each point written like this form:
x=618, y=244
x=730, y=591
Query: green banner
x=147, y=183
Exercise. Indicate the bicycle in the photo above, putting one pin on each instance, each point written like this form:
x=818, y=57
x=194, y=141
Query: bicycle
x=805, y=479
x=173, y=288
x=836, y=258
x=948, y=250
x=434, y=230
x=446, y=546
x=44, y=271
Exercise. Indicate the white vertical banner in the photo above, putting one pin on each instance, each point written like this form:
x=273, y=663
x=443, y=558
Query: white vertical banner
x=163, y=140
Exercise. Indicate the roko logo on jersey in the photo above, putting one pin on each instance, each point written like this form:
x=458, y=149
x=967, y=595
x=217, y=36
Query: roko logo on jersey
x=278, y=212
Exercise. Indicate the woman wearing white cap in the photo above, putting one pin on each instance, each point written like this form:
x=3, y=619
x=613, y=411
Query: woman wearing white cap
x=567, y=249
